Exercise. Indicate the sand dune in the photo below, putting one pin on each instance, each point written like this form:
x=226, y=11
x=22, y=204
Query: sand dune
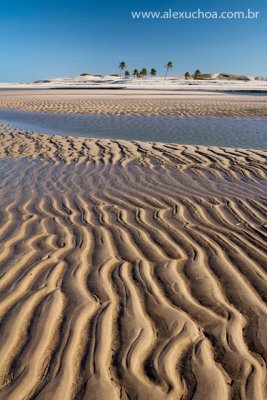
x=207, y=81
x=134, y=103
x=131, y=270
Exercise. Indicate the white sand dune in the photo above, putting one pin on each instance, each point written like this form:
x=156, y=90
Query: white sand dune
x=131, y=270
x=219, y=82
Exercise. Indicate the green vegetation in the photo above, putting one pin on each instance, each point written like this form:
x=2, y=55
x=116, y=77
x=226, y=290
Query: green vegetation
x=122, y=65
x=42, y=81
x=136, y=73
x=143, y=72
x=127, y=74
x=168, y=67
x=187, y=75
x=153, y=72
x=197, y=74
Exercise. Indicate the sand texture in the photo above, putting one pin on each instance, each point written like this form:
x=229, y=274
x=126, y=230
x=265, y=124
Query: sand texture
x=134, y=103
x=131, y=270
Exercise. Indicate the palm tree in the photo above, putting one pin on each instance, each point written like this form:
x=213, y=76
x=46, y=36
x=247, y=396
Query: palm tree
x=143, y=72
x=168, y=66
x=122, y=65
x=197, y=74
x=187, y=75
x=127, y=74
x=153, y=72
x=136, y=73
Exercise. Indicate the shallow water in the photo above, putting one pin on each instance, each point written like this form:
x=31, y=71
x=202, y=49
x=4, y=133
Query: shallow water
x=214, y=131
x=244, y=93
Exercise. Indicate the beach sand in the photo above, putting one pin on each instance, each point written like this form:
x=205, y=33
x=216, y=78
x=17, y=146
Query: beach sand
x=131, y=270
x=134, y=102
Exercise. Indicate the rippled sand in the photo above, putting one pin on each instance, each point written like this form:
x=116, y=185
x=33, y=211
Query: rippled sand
x=134, y=103
x=131, y=270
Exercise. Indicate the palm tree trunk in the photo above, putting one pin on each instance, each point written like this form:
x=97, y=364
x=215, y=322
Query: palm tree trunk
x=166, y=73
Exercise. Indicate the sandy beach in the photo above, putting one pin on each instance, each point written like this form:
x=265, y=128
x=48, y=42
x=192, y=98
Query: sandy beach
x=133, y=200
x=131, y=270
x=134, y=102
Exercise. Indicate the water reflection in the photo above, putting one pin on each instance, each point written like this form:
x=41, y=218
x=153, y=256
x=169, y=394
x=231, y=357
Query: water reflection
x=213, y=131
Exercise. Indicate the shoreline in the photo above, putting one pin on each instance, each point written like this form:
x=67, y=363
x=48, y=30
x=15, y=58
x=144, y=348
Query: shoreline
x=127, y=89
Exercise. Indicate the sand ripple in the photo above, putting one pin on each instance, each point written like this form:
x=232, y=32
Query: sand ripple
x=131, y=270
x=121, y=103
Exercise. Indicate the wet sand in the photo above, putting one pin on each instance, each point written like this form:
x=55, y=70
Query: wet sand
x=134, y=102
x=130, y=270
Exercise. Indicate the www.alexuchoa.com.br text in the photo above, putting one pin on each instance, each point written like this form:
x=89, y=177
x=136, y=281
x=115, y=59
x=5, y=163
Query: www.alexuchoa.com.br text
x=196, y=14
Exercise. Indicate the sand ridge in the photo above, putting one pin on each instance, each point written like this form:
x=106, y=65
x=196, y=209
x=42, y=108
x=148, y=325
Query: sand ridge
x=131, y=270
x=135, y=103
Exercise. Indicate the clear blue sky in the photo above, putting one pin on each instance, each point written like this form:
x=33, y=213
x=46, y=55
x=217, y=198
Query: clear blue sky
x=54, y=38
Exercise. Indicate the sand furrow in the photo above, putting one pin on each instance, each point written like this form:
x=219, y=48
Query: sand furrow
x=133, y=104
x=131, y=270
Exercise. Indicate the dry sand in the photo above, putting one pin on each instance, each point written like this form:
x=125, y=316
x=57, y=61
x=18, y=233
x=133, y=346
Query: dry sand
x=218, y=82
x=132, y=102
x=130, y=270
